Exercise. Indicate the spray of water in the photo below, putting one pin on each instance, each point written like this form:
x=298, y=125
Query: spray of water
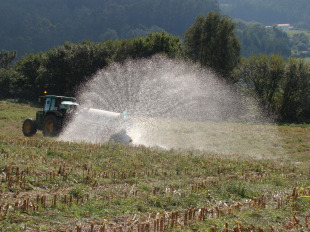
x=172, y=104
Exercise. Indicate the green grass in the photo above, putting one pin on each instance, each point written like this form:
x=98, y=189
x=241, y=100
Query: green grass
x=307, y=60
x=293, y=32
x=119, y=185
x=226, y=138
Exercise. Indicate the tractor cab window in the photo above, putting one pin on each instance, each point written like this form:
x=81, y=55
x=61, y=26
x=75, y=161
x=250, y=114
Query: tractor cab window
x=57, y=103
x=47, y=104
x=68, y=106
x=53, y=107
x=64, y=107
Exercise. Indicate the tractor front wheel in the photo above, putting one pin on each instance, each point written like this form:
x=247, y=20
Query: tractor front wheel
x=29, y=127
x=51, y=126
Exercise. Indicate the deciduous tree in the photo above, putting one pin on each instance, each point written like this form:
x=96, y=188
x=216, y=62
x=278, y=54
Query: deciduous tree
x=263, y=75
x=212, y=42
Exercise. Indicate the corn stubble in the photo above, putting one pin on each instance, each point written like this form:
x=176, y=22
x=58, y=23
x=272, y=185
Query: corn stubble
x=48, y=185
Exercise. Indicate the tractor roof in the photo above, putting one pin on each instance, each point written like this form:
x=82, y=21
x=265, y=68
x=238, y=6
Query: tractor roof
x=63, y=98
x=59, y=97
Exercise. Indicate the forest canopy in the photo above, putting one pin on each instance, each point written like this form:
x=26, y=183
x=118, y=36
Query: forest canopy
x=37, y=25
x=255, y=38
x=269, y=12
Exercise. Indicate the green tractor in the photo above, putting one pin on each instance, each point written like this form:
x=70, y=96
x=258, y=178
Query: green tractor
x=50, y=120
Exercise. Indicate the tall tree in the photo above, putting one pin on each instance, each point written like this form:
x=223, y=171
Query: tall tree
x=212, y=42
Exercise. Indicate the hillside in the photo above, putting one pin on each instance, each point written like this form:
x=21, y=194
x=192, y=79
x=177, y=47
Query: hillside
x=269, y=12
x=51, y=185
x=37, y=25
x=34, y=26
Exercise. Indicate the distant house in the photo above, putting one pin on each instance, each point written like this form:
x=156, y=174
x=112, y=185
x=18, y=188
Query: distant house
x=285, y=27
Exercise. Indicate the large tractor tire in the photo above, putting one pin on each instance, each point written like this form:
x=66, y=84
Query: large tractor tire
x=30, y=127
x=51, y=126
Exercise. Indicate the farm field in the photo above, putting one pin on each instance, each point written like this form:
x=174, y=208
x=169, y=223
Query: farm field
x=293, y=32
x=51, y=185
x=307, y=59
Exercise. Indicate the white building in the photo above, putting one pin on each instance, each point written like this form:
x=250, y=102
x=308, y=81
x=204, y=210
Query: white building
x=285, y=27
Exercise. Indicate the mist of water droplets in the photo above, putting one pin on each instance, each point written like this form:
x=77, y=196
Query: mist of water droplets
x=170, y=104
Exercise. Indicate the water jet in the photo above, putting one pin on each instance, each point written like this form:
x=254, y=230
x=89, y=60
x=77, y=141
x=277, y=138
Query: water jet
x=176, y=104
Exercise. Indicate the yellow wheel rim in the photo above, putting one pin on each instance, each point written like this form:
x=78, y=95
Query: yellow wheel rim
x=49, y=126
x=27, y=127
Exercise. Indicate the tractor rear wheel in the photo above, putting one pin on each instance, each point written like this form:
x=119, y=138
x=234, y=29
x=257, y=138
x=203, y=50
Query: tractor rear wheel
x=29, y=127
x=51, y=126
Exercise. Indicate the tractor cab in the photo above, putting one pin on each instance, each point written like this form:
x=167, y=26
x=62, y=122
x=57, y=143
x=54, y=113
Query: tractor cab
x=56, y=103
x=51, y=119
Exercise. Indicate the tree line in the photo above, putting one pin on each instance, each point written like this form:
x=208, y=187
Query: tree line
x=62, y=70
x=255, y=38
x=38, y=25
x=281, y=85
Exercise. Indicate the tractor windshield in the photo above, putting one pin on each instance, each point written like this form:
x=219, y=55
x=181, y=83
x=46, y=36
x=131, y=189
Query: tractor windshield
x=68, y=106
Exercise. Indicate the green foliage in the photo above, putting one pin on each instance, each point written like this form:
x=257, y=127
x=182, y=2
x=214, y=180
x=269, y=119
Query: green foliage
x=301, y=41
x=296, y=92
x=6, y=58
x=257, y=39
x=240, y=190
x=9, y=80
x=300, y=45
x=40, y=25
x=77, y=192
x=212, y=42
x=35, y=25
x=263, y=75
x=62, y=70
x=143, y=47
x=281, y=87
x=269, y=12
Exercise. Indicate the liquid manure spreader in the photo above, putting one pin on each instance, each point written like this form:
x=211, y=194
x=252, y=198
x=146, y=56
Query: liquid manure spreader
x=59, y=110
